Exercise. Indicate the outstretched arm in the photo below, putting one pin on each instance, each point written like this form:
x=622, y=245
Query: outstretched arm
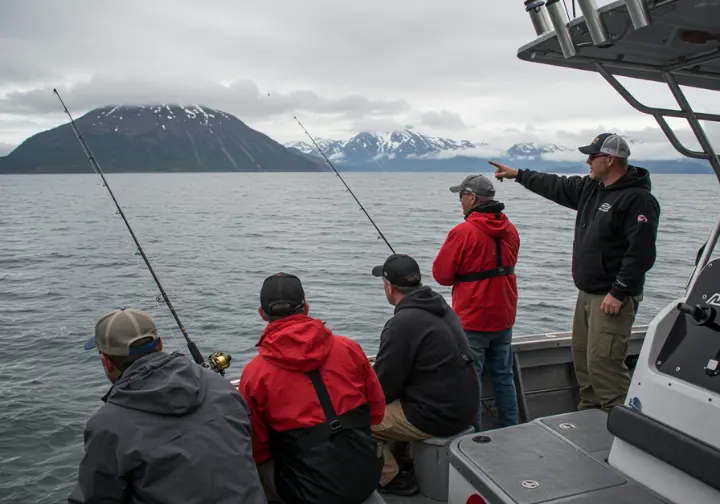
x=565, y=191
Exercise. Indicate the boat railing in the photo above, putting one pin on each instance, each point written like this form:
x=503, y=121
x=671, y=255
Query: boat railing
x=552, y=340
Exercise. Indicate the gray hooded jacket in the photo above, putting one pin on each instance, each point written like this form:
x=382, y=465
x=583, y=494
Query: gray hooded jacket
x=170, y=431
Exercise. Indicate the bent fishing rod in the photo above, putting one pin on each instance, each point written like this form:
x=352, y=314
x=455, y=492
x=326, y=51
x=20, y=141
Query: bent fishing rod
x=218, y=361
x=346, y=186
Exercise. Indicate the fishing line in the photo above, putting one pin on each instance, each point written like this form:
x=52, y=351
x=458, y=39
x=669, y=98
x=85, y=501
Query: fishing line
x=346, y=186
x=373, y=158
x=218, y=362
x=171, y=330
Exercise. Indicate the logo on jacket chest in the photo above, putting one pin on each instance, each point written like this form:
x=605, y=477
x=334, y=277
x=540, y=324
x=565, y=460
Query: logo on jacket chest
x=605, y=207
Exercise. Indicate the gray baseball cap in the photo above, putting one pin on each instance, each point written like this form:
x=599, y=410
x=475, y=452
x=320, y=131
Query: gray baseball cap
x=116, y=331
x=478, y=184
x=611, y=144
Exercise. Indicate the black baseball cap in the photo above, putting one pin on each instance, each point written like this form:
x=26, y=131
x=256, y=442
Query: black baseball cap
x=607, y=143
x=400, y=270
x=282, y=288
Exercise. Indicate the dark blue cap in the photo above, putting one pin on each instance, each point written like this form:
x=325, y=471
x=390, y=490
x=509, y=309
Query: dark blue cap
x=607, y=143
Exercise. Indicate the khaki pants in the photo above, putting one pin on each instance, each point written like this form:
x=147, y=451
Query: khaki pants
x=266, y=470
x=599, y=347
x=393, y=428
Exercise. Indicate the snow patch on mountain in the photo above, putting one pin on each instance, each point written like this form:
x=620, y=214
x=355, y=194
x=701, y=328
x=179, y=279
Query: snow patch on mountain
x=533, y=151
x=401, y=144
x=163, y=116
x=408, y=144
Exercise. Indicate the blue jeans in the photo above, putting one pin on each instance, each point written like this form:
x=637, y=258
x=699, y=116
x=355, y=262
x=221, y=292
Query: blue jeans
x=496, y=349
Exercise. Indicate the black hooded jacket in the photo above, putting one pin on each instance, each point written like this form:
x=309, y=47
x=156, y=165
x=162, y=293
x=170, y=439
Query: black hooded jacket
x=424, y=361
x=615, y=228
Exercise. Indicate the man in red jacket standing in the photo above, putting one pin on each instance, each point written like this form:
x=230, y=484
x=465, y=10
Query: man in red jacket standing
x=313, y=397
x=478, y=260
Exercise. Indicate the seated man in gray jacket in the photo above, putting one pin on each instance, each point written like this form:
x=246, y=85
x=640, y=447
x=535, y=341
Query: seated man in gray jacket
x=170, y=430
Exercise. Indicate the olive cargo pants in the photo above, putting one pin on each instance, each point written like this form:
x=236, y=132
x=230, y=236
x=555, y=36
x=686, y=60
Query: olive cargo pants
x=599, y=347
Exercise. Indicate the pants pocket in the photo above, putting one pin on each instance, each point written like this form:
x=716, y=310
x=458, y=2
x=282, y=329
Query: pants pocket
x=612, y=343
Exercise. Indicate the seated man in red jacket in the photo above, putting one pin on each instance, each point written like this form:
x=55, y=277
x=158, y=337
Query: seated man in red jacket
x=313, y=397
x=478, y=260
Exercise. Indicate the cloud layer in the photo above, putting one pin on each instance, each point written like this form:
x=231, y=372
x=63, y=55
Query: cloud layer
x=444, y=68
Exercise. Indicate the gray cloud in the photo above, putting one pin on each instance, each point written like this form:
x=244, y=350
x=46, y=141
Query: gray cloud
x=243, y=98
x=443, y=119
x=368, y=45
x=342, y=65
x=373, y=124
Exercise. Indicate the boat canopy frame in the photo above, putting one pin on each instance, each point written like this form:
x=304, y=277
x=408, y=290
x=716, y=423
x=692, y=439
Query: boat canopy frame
x=672, y=41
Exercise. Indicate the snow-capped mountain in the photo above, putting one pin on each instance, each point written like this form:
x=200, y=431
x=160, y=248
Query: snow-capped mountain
x=402, y=144
x=408, y=150
x=407, y=144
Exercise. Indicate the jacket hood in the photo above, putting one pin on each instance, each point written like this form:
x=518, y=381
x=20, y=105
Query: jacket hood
x=425, y=299
x=635, y=177
x=160, y=383
x=485, y=217
x=297, y=343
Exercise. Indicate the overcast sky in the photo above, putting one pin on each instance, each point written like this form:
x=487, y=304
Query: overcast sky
x=444, y=68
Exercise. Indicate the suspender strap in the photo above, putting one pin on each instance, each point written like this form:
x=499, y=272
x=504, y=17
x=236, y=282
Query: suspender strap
x=482, y=275
x=321, y=390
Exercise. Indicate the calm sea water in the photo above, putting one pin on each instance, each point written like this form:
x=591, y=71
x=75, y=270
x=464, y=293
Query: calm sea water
x=66, y=258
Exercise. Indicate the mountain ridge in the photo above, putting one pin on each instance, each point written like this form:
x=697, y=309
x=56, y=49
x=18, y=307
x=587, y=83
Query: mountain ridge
x=408, y=150
x=198, y=138
x=156, y=138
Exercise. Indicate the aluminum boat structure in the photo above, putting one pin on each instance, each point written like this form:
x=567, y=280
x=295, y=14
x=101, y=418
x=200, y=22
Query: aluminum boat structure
x=663, y=444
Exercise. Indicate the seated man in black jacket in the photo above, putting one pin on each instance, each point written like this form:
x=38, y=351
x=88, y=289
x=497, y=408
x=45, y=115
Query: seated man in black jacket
x=424, y=367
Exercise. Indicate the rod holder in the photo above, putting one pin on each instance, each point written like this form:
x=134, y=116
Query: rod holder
x=639, y=15
x=595, y=26
x=538, y=16
x=559, y=20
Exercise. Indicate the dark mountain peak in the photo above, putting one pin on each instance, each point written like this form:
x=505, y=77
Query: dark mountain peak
x=156, y=138
x=143, y=118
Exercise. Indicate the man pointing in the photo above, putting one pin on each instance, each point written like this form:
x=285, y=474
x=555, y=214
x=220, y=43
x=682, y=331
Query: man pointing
x=614, y=247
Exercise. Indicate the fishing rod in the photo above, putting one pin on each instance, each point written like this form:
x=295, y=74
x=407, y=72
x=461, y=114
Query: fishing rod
x=346, y=186
x=218, y=361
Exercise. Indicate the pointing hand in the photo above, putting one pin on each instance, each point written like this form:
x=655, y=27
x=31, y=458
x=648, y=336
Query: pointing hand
x=503, y=171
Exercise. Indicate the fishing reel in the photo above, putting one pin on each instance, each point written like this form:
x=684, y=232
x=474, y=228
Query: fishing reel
x=219, y=362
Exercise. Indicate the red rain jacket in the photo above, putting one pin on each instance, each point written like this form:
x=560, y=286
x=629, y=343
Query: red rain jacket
x=281, y=397
x=489, y=304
